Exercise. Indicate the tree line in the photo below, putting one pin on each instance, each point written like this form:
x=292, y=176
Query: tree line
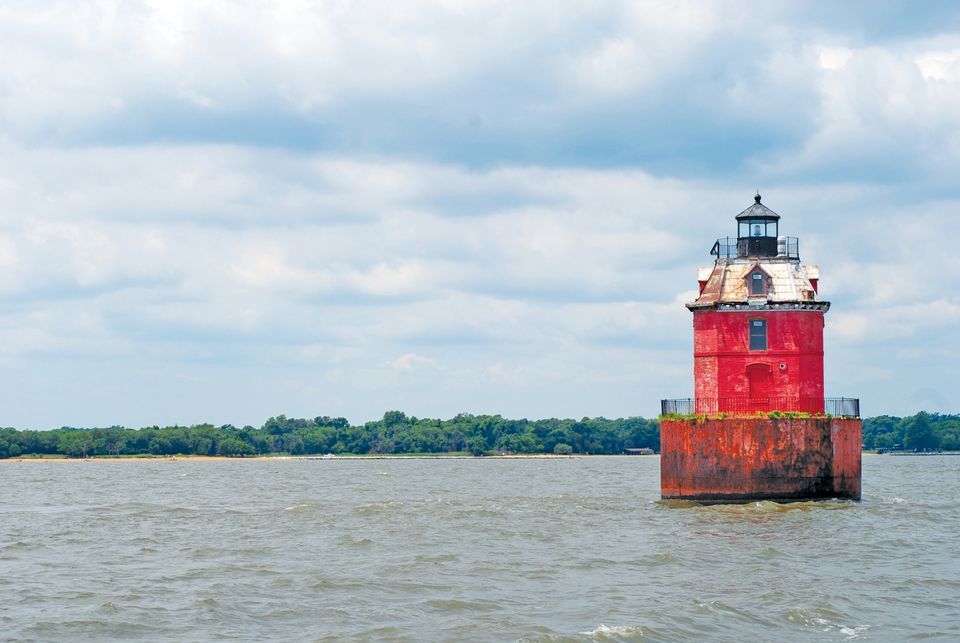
x=923, y=431
x=395, y=433
x=398, y=433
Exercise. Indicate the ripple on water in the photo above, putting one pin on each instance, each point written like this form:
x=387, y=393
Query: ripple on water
x=19, y=545
x=479, y=513
x=377, y=508
x=618, y=632
x=81, y=629
x=501, y=550
x=457, y=605
x=436, y=558
x=336, y=583
x=353, y=541
x=824, y=619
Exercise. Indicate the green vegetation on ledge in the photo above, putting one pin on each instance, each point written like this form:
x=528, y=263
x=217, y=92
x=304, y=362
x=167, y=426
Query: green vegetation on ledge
x=700, y=418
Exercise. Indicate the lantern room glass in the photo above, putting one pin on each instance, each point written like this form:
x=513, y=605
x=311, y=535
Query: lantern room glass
x=757, y=228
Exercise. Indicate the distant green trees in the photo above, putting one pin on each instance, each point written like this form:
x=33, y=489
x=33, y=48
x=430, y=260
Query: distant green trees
x=921, y=431
x=394, y=433
x=919, y=434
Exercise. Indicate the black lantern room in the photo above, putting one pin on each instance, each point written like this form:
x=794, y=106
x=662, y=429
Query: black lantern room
x=757, y=228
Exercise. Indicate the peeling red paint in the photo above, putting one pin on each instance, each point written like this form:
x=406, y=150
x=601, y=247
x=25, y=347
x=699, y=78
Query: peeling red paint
x=757, y=458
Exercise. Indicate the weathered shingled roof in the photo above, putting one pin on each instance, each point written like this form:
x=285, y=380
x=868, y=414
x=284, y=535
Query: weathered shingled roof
x=788, y=281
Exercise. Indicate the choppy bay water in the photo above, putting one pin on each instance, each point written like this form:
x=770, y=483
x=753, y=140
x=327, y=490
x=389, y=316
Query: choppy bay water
x=558, y=549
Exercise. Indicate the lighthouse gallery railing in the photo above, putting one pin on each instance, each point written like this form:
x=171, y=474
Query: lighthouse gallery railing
x=732, y=247
x=836, y=406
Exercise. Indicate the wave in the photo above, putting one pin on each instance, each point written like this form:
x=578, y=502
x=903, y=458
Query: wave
x=618, y=632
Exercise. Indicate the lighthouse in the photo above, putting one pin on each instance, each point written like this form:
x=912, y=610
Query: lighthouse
x=759, y=425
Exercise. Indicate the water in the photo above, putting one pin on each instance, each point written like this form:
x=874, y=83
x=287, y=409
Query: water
x=551, y=550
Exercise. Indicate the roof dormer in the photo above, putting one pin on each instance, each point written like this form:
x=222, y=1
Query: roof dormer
x=758, y=282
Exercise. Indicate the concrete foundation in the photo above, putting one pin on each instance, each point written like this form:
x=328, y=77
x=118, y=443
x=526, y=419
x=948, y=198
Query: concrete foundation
x=760, y=458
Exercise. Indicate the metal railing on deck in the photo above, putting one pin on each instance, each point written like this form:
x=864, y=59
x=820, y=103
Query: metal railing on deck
x=730, y=247
x=838, y=406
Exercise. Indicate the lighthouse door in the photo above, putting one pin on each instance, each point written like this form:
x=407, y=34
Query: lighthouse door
x=758, y=377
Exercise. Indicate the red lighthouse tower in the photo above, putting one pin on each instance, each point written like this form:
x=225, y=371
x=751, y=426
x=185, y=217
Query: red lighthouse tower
x=759, y=425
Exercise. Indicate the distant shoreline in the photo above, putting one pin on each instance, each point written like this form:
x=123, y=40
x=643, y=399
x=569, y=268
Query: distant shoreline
x=263, y=458
x=922, y=453
x=420, y=456
x=400, y=435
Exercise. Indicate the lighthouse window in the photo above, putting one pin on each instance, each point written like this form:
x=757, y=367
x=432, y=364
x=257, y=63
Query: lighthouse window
x=757, y=284
x=758, y=335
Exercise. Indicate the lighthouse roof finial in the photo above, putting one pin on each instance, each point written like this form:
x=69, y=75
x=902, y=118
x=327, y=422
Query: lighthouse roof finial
x=758, y=211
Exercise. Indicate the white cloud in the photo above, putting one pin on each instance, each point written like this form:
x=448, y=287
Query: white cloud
x=263, y=208
x=940, y=65
x=885, y=111
x=583, y=292
x=834, y=57
x=849, y=325
x=412, y=361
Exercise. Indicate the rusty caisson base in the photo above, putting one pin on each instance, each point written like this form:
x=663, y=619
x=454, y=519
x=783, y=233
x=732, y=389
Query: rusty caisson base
x=744, y=459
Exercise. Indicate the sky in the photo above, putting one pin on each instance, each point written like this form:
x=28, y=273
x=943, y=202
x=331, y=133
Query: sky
x=225, y=211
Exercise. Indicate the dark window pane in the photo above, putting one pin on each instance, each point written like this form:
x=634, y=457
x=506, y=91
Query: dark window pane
x=757, y=287
x=758, y=335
